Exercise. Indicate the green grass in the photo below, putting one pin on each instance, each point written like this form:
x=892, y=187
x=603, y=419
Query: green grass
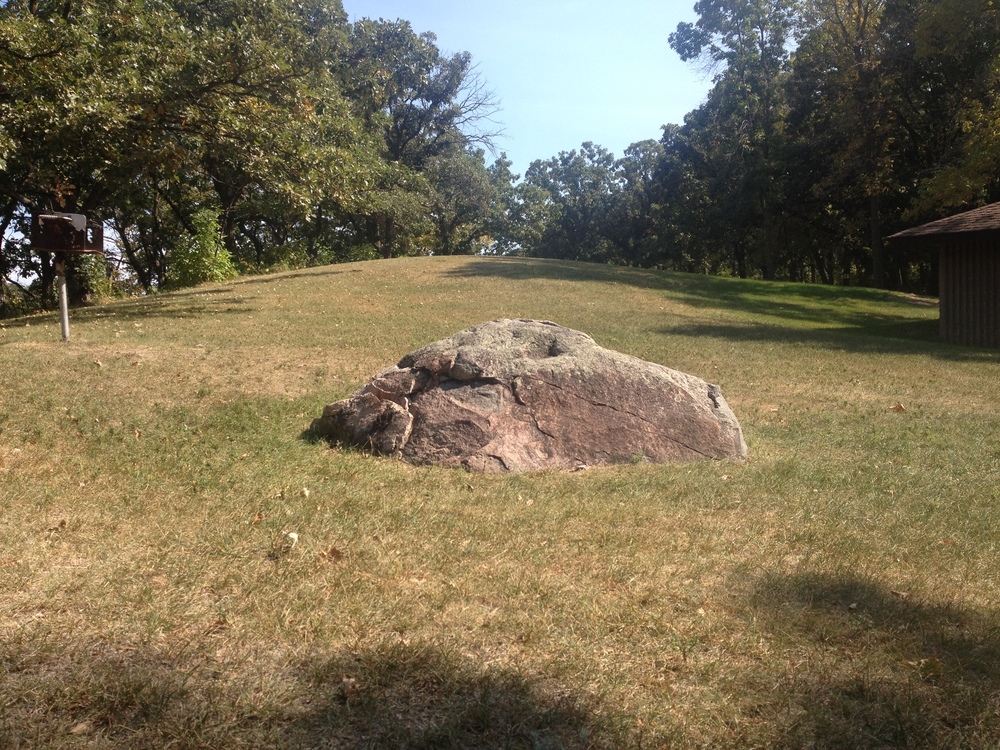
x=838, y=590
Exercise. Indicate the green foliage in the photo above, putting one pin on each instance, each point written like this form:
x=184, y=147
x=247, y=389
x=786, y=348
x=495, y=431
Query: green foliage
x=87, y=279
x=317, y=140
x=830, y=124
x=568, y=198
x=201, y=256
x=466, y=203
x=808, y=151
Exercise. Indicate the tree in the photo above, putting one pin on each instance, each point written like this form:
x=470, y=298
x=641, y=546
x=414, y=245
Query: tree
x=951, y=74
x=235, y=102
x=425, y=109
x=634, y=217
x=504, y=215
x=576, y=190
x=883, y=93
x=849, y=39
x=748, y=39
x=422, y=102
x=465, y=202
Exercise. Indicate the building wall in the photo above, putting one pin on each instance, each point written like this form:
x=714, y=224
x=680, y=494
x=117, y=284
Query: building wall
x=970, y=292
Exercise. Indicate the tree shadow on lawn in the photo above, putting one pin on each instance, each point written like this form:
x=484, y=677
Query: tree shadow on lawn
x=419, y=697
x=162, y=305
x=875, y=668
x=899, y=337
x=141, y=309
x=338, y=269
x=397, y=695
x=819, y=303
x=841, y=311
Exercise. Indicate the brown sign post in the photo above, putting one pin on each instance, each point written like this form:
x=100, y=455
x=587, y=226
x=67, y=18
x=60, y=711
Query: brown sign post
x=62, y=235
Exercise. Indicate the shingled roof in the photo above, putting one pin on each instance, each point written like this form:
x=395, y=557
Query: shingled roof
x=985, y=219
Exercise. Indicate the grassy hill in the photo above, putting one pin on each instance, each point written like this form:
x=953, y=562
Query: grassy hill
x=838, y=590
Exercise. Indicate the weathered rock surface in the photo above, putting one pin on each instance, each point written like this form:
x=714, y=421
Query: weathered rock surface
x=522, y=395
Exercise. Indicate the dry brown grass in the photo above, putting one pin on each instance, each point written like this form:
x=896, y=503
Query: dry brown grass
x=838, y=590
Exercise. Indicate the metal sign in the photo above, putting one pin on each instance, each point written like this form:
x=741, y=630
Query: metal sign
x=66, y=233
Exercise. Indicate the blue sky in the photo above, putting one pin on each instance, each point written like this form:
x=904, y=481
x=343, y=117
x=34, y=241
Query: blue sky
x=565, y=71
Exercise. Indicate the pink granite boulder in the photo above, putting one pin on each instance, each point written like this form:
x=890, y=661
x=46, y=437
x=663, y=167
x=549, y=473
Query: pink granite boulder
x=524, y=395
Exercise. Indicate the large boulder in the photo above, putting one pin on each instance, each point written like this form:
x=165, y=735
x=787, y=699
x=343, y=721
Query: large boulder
x=521, y=395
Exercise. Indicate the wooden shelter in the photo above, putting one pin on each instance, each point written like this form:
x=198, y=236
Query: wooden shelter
x=968, y=247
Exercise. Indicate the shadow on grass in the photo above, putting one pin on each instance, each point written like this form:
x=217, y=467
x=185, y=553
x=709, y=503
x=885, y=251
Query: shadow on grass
x=842, y=312
x=792, y=300
x=335, y=270
x=392, y=696
x=169, y=309
x=419, y=697
x=165, y=305
x=155, y=307
x=522, y=269
x=898, y=337
x=882, y=670
x=906, y=337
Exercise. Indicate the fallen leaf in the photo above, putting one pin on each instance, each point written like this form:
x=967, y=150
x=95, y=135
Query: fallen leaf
x=348, y=688
x=283, y=546
x=853, y=606
x=217, y=626
x=82, y=728
x=899, y=407
x=931, y=667
x=331, y=554
x=257, y=518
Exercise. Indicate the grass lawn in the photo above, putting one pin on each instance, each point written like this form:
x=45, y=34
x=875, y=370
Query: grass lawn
x=841, y=589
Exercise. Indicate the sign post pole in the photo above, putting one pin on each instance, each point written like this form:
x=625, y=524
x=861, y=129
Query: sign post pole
x=63, y=296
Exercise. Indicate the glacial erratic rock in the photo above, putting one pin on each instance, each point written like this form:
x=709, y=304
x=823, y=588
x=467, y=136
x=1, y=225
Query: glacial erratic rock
x=524, y=395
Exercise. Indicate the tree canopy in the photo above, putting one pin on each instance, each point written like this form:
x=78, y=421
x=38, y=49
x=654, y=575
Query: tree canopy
x=301, y=138
x=224, y=136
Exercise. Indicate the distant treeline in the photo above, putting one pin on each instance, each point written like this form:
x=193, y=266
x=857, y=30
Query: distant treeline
x=224, y=136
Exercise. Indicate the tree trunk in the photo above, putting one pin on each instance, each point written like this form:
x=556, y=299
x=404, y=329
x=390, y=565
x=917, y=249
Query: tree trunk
x=878, y=244
x=47, y=277
x=141, y=273
x=3, y=277
x=4, y=266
